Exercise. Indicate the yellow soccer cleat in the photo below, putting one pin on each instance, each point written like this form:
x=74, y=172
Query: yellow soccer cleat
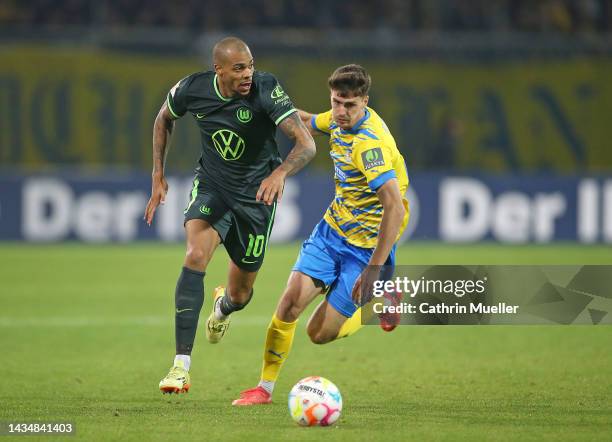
x=176, y=381
x=215, y=329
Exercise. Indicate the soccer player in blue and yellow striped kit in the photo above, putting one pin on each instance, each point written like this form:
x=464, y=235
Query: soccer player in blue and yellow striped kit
x=360, y=228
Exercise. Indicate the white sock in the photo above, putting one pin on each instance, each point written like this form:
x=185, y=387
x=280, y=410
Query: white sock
x=267, y=385
x=182, y=361
x=219, y=316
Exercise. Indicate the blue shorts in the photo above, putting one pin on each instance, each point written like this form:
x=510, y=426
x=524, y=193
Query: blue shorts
x=328, y=257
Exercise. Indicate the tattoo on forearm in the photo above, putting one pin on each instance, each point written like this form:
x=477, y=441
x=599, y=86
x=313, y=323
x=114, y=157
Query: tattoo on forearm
x=161, y=140
x=304, y=149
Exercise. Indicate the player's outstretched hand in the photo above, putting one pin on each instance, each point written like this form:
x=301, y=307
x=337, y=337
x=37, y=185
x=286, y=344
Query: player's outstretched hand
x=272, y=187
x=159, y=189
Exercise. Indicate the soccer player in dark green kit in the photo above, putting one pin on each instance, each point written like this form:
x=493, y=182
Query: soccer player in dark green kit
x=239, y=179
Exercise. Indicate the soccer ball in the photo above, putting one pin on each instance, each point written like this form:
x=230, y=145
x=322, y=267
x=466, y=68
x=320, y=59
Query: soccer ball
x=315, y=401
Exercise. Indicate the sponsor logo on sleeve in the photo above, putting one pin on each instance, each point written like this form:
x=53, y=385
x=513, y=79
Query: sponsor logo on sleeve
x=372, y=158
x=277, y=92
x=279, y=96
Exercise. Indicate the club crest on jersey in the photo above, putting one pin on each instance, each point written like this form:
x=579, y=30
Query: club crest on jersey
x=244, y=114
x=229, y=144
x=372, y=158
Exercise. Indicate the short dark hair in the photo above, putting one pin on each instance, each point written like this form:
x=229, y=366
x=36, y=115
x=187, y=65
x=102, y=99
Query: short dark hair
x=351, y=79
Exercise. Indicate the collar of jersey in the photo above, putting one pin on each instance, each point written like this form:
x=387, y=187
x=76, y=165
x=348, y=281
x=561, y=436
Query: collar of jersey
x=218, y=91
x=353, y=130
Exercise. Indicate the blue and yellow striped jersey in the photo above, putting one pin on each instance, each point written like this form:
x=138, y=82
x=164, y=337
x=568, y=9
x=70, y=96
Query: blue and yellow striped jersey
x=365, y=157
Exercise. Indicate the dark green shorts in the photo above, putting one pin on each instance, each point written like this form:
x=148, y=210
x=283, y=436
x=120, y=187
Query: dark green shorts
x=243, y=227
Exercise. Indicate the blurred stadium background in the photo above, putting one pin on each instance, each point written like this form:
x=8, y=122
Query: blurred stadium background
x=500, y=107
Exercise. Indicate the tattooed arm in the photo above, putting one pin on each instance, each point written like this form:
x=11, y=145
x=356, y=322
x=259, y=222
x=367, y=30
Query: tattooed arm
x=162, y=133
x=306, y=118
x=303, y=151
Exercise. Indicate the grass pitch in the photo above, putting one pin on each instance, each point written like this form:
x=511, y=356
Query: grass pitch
x=86, y=332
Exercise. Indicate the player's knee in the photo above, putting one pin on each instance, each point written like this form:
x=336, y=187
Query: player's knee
x=316, y=334
x=319, y=337
x=195, y=258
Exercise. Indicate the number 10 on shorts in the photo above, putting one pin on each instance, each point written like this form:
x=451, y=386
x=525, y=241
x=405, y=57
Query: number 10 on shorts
x=256, y=245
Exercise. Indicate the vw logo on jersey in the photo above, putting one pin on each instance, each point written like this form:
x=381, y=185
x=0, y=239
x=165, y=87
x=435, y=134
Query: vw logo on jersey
x=244, y=114
x=229, y=144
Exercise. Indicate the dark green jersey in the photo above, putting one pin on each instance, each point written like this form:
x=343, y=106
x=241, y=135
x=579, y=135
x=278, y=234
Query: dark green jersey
x=238, y=146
